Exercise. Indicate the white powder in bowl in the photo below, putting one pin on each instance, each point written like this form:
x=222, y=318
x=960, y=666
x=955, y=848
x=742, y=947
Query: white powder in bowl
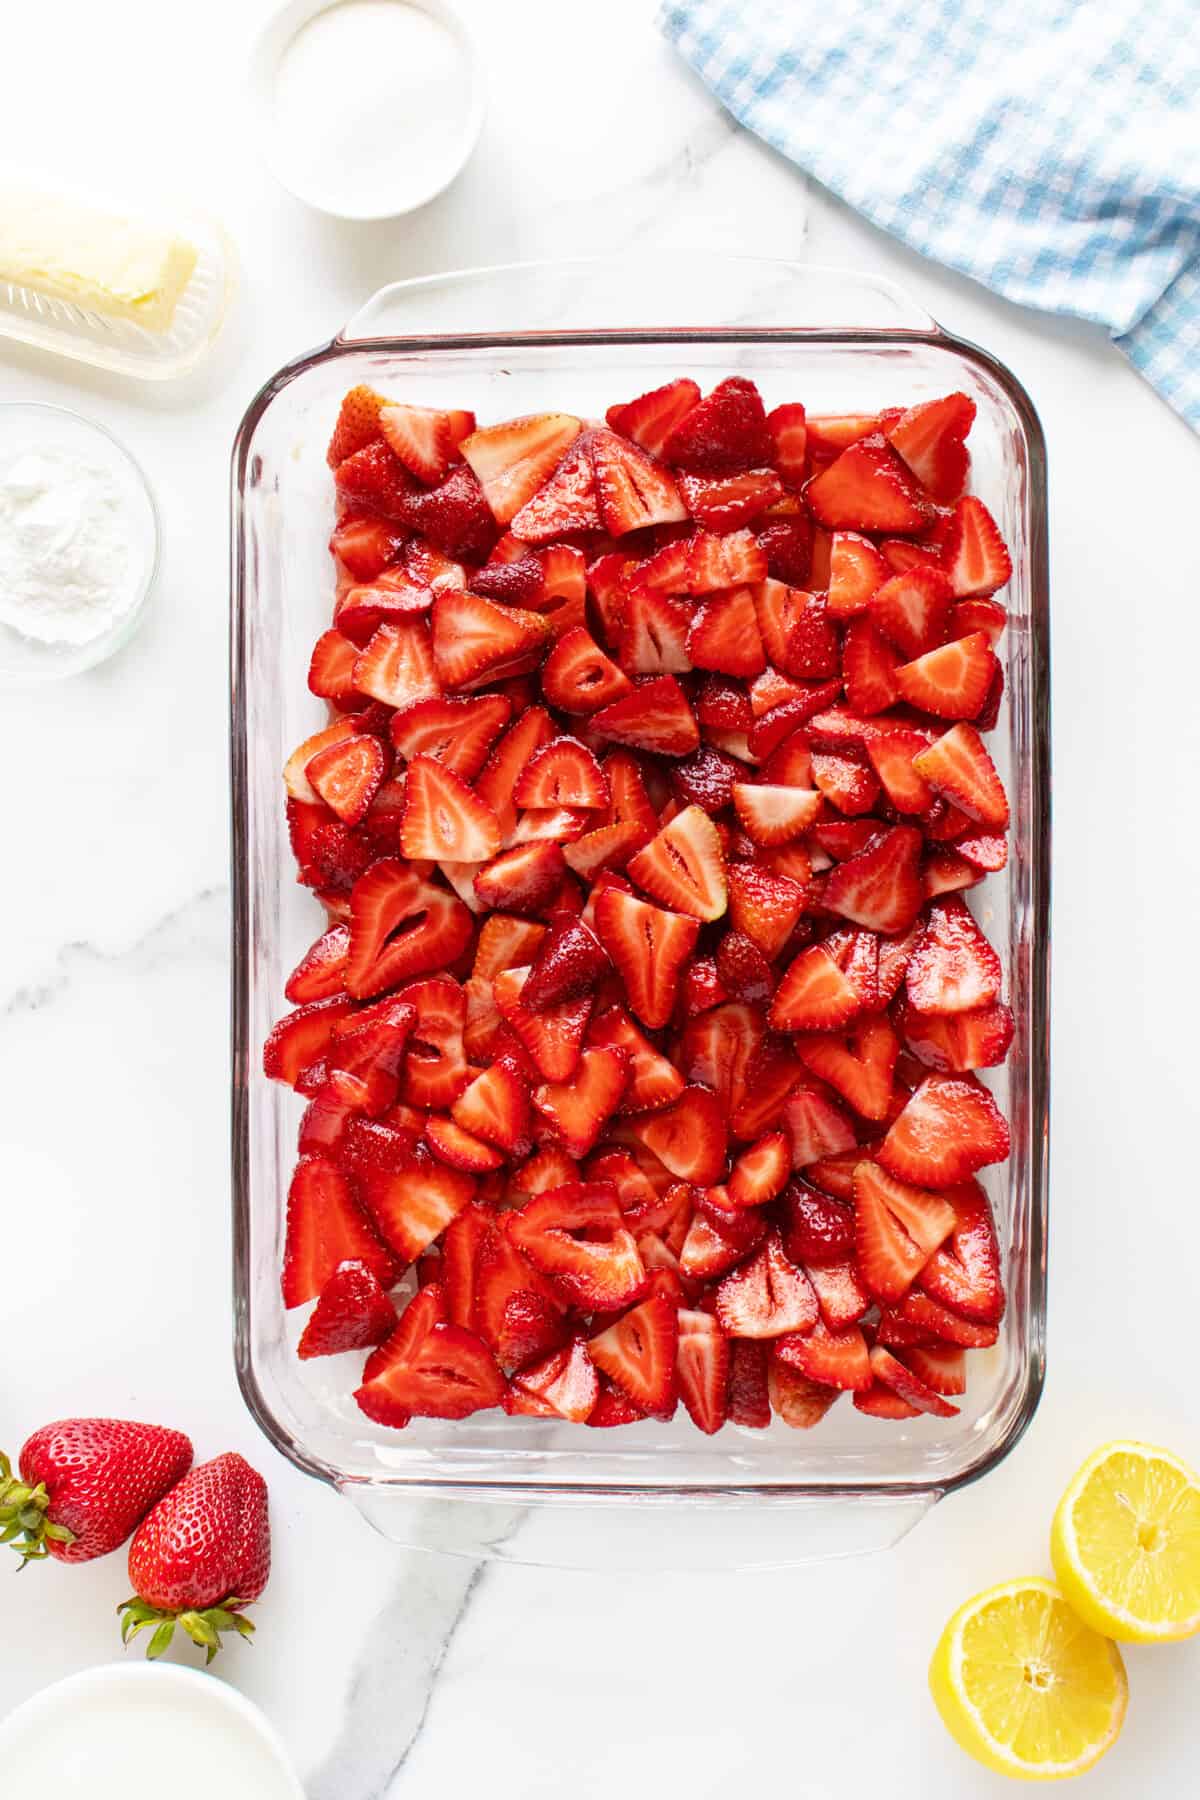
x=72, y=559
x=372, y=105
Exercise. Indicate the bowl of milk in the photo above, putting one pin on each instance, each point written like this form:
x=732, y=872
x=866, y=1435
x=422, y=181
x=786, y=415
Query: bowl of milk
x=84, y=1735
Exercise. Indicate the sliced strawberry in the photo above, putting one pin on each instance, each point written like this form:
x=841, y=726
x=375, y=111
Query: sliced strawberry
x=841, y=1295
x=397, y=665
x=503, y=768
x=880, y=886
x=816, y=1123
x=964, y=1274
x=974, y=554
x=724, y=704
x=358, y=424
x=325, y=1228
x=702, y=1369
x=763, y=906
x=632, y=490
x=453, y=517
x=933, y=1320
x=940, y=1367
x=569, y=962
x=892, y=1373
x=831, y=433
x=814, y=994
x=447, y=1374
x=951, y=682
x=762, y=1171
x=456, y=732
x=444, y=819
x=723, y=635
x=457, y=1148
x=577, y=677
x=524, y=879
x=798, y=1402
x=648, y=948
x=949, y=1128
x=429, y=568
x=688, y=1137
x=723, y=433
x=579, y=1108
x=710, y=1249
x=683, y=866
x=978, y=614
x=654, y=1081
x=319, y=973
x=370, y=1044
x=652, y=639
x=773, y=815
x=425, y=440
x=302, y=1038
x=412, y=1207
x=516, y=1309
x=944, y=871
x=956, y=1044
x=770, y=1075
x=655, y=716
x=836, y=1359
x=568, y=501
x=770, y=689
x=931, y=437
x=869, y=667
x=797, y=633
x=724, y=502
x=987, y=850
x=881, y=1402
x=563, y=772
x=897, y=1230
x=893, y=756
x=767, y=1296
x=552, y=1037
x=391, y=600
x=856, y=570
x=476, y=642
x=787, y=544
x=563, y=1386
x=958, y=765
x=384, y=1143
x=638, y=1354
x=912, y=610
x=953, y=968
x=376, y=479
x=505, y=943
x=495, y=1107
x=845, y=781
x=706, y=779
x=331, y=669
x=613, y=1408
x=435, y=1070
x=602, y=1271
x=650, y=419
x=366, y=545
x=352, y=1313
x=512, y=460
x=436, y=928
x=859, y=1066
x=789, y=434
x=868, y=488
x=749, y=1400
x=742, y=969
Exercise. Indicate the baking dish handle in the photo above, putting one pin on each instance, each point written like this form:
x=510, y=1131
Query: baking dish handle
x=668, y=1532
x=653, y=293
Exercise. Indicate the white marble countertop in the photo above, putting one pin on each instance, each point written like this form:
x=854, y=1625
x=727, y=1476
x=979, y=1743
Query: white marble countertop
x=390, y=1672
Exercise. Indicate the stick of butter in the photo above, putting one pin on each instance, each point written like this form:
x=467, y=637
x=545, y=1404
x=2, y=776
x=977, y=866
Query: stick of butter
x=92, y=259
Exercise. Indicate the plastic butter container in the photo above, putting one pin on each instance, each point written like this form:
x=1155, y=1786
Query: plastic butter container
x=45, y=294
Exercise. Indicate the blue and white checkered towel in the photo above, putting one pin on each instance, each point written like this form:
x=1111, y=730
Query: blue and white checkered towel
x=1050, y=149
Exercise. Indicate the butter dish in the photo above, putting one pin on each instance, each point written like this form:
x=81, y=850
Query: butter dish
x=139, y=289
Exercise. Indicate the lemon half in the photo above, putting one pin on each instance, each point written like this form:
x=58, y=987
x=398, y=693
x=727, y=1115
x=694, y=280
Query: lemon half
x=1024, y=1686
x=1126, y=1544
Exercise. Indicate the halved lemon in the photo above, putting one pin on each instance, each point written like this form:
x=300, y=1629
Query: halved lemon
x=1024, y=1686
x=1126, y=1544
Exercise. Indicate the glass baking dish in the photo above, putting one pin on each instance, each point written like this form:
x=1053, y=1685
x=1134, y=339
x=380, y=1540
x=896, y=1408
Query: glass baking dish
x=535, y=338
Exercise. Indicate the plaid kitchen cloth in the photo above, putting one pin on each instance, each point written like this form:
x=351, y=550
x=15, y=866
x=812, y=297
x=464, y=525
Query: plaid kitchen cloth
x=1049, y=149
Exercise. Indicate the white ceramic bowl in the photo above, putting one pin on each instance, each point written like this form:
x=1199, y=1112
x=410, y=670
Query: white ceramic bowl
x=137, y=1711
x=421, y=181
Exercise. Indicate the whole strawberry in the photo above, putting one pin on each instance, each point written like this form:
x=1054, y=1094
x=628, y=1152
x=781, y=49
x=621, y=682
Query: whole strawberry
x=200, y=1557
x=85, y=1484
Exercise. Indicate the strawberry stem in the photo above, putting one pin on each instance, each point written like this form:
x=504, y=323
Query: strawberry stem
x=204, y=1626
x=24, y=1516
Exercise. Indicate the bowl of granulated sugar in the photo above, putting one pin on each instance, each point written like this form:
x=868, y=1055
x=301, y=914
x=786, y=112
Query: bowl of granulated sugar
x=79, y=543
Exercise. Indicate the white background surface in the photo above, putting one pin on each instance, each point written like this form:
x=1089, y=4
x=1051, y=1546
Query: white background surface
x=390, y=1673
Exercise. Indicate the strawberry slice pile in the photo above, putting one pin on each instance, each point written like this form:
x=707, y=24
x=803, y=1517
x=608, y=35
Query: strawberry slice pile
x=646, y=1028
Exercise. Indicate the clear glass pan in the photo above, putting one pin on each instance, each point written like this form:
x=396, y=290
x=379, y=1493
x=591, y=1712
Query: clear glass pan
x=530, y=339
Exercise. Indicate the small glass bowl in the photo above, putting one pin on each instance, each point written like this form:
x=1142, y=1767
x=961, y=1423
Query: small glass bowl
x=28, y=425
